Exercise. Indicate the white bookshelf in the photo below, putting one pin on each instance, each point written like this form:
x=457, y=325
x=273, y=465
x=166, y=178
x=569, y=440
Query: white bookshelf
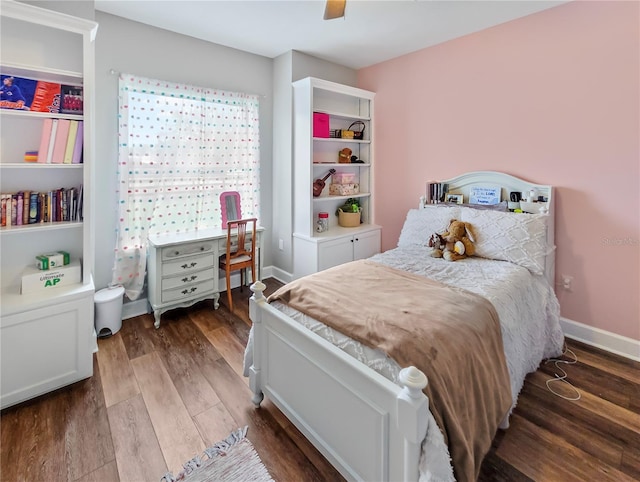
x=47, y=338
x=313, y=158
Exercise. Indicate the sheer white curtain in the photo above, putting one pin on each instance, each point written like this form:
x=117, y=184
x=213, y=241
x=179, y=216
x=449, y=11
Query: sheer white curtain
x=180, y=147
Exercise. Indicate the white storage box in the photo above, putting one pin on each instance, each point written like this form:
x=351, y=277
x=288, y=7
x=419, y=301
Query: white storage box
x=34, y=279
x=344, y=189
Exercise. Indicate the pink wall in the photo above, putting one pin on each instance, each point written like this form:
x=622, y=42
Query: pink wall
x=552, y=98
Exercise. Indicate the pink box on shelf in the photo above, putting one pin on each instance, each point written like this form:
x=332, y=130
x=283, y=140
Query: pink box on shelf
x=343, y=178
x=320, y=124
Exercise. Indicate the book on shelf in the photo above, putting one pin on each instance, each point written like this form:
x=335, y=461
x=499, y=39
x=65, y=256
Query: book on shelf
x=71, y=99
x=77, y=149
x=71, y=142
x=33, y=207
x=19, y=207
x=45, y=139
x=52, y=140
x=3, y=213
x=26, y=195
x=42, y=211
x=21, y=93
x=14, y=206
x=60, y=145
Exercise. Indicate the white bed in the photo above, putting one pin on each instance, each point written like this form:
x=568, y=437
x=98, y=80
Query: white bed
x=349, y=400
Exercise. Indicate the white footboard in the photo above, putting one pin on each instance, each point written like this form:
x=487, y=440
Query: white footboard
x=368, y=427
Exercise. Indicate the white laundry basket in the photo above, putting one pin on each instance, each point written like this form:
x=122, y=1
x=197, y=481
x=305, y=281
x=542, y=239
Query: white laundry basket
x=108, y=302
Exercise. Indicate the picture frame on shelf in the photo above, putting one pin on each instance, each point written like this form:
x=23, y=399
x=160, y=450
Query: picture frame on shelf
x=455, y=198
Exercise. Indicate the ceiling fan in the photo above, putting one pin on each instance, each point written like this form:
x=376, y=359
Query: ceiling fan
x=334, y=9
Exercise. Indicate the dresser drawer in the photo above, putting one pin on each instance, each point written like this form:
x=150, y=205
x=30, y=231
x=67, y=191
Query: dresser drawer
x=186, y=292
x=187, y=279
x=187, y=249
x=187, y=265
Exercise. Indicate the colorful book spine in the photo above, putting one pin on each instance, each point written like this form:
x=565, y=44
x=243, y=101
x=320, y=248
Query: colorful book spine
x=46, y=97
x=61, y=141
x=14, y=209
x=41, y=208
x=52, y=140
x=25, y=206
x=33, y=207
x=3, y=211
x=71, y=142
x=77, y=149
x=8, y=210
x=19, y=207
x=45, y=139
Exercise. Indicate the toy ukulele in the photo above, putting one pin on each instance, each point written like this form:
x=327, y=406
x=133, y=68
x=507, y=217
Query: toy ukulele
x=318, y=184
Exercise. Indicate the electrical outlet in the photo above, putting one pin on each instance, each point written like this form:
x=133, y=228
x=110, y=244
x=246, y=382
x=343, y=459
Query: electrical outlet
x=567, y=282
x=281, y=244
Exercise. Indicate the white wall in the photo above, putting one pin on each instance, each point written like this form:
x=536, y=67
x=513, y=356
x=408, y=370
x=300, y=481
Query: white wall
x=131, y=47
x=77, y=8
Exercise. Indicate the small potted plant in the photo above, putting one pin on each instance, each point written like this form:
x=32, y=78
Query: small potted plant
x=349, y=213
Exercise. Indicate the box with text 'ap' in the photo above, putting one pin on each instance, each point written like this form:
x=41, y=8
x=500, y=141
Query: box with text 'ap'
x=34, y=279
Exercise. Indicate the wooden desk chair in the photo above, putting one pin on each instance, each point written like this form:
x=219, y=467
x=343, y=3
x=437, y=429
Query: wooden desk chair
x=237, y=256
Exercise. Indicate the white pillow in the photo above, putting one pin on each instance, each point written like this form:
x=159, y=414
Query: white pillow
x=422, y=223
x=515, y=237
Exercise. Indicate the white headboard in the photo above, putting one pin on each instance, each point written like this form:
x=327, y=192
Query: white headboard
x=462, y=185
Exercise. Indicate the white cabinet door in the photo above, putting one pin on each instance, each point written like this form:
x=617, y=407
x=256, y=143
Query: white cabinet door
x=342, y=250
x=335, y=252
x=46, y=348
x=366, y=245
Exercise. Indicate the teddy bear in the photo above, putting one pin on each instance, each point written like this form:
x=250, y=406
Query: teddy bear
x=454, y=244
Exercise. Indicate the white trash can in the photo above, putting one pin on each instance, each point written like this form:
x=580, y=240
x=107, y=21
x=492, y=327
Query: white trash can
x=108, y=316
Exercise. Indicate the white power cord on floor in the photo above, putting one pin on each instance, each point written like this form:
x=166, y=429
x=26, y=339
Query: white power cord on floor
x=563, y=378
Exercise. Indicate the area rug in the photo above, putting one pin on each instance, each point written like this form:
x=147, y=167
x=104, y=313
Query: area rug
x=232, y=459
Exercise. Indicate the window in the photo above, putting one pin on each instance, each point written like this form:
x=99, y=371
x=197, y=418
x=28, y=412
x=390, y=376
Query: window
x=180, y=147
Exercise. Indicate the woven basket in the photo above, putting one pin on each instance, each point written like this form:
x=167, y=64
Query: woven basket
x=348, y=220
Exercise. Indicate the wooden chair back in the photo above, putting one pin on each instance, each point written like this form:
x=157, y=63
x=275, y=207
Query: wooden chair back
x=238, y=257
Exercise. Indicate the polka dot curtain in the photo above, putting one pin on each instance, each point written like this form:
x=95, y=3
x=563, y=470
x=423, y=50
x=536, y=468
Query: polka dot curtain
x=180, y=147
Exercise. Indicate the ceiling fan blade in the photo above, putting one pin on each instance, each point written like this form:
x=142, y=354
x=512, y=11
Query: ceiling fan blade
x=334, y=9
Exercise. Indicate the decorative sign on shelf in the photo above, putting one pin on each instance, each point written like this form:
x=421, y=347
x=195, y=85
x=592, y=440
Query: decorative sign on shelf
x=484, y=195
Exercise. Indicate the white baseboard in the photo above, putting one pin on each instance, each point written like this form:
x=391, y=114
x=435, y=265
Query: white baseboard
x=618, y=344
x=135, y=308
x=280, y=275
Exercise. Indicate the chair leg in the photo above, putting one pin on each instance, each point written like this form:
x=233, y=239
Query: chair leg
x=243, y=272
x=229, y=296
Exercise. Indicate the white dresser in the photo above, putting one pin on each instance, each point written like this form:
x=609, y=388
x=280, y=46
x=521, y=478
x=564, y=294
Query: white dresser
x=183, y=269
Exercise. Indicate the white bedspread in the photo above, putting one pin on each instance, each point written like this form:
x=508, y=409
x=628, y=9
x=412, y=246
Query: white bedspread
x=529, y=316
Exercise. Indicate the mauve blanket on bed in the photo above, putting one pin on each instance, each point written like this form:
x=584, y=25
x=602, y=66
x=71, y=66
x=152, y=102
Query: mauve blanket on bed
x=451, y=334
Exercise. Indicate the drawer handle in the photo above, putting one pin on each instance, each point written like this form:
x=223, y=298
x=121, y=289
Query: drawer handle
x=201, y=248
x=186, y=292
x=176, y=253
x=187, y=266
x=186, y=280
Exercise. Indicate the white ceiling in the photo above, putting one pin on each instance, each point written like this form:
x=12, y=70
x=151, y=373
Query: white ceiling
x=372, y=31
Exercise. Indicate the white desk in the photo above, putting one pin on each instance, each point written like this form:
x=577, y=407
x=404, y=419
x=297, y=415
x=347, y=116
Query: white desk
x=183, y=268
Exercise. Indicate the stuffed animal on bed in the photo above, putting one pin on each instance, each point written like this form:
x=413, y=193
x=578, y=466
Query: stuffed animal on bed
x=454, y=244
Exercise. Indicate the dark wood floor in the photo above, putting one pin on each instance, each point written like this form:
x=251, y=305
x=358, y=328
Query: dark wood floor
x=158, y=397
